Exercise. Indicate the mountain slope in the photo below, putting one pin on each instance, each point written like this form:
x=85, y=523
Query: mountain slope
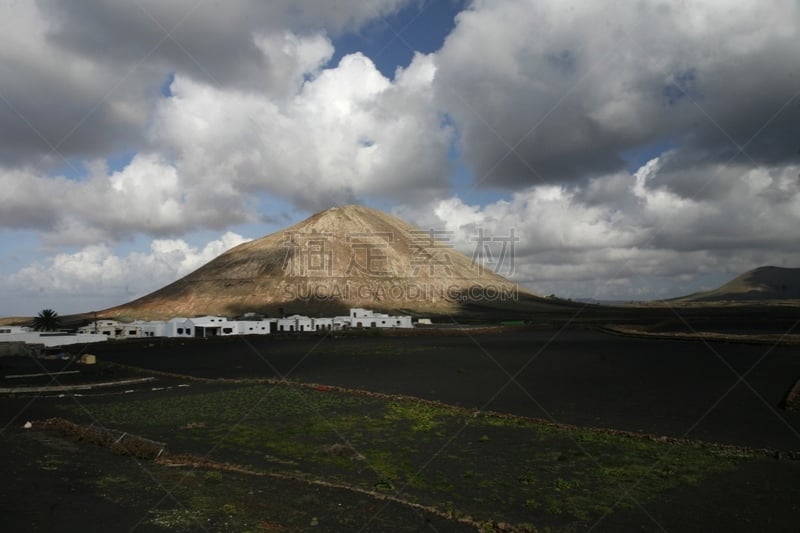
x=760, y=284
x=342, y=257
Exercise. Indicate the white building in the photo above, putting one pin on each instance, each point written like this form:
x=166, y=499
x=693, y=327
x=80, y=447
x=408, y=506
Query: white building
x=358, y=312
x=219, y=326
x=104, y=327
x=304, y=323
x=178, y=327
x=113, y=329
x=342, y=322
x=205, y=326
x=364, y=318
x=251, y=327
x=295, y=323
x=322, y=324
x=154, y=328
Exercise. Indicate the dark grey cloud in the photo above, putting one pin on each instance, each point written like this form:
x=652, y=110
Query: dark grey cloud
x=81, y=79
x=51, y=108
x=209, y=40
x=212, y=41
x=544, y=94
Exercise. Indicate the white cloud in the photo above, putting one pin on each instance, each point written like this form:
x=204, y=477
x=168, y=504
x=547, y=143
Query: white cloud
x=289, y=59
x=342, y=134
x=349, y=133
x=97, y=272
x=629, y=236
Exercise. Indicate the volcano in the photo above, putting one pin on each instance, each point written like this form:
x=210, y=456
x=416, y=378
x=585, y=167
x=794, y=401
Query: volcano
x=763, y=284
x=350, y=256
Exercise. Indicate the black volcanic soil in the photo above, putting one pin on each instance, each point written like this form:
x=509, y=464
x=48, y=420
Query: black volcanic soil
x=57, y=485
x=720, y=392
x=677, y=388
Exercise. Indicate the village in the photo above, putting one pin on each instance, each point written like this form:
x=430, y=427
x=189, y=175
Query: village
x=203, y=327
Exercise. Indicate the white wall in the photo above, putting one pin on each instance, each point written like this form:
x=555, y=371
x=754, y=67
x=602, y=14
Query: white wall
x=155, y=328
x=178, y=327
x=322, y=324
x=50, y=339
x=6, y=330
x=250, y=327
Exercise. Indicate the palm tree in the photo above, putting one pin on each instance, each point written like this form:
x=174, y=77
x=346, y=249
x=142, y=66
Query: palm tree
x=47, y=320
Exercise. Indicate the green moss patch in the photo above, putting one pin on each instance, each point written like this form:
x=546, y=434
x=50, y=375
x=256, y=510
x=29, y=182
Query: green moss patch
x=464, y=464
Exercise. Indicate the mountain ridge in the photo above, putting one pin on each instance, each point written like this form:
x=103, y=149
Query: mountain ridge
x=766, y=283
x=342, y=257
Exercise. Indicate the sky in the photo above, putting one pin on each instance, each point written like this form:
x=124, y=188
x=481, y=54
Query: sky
x=637, y=149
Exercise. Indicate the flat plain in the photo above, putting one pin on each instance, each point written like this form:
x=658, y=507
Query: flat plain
x=538, y=430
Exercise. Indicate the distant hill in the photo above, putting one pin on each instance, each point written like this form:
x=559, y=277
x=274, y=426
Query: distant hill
x=343, y=257
x=760, y=284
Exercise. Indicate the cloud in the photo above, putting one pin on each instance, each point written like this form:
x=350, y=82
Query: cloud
x=535, y=94
x=222, y=108
x=98, y=273
x=81, y=79
x=334, y=135
x=628, y=235
x=147, y=196
x=348, y=134
x=544, y=93
x=53, y=101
